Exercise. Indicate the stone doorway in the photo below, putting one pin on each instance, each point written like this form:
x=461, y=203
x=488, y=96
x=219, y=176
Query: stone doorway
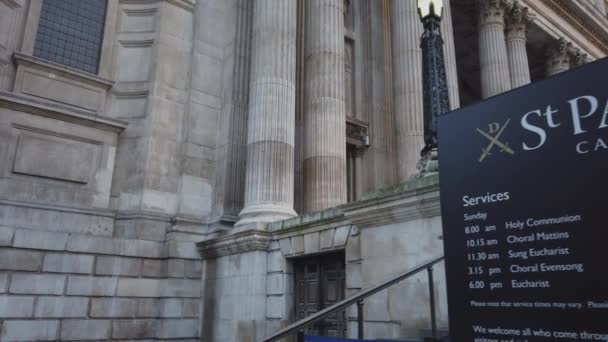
x=320, y=282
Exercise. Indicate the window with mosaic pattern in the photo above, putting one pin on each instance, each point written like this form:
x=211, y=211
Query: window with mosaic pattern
x=70, y=32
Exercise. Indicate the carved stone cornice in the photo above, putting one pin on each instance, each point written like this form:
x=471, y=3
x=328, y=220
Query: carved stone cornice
x=491, y=12
x=357, y=133
x=569, y=11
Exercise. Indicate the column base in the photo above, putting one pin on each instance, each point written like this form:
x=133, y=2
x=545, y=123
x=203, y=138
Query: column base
x=260, y=215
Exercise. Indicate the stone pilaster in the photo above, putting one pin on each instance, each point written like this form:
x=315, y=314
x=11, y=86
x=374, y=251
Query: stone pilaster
x=517, y=30
x=558, y=58
x=449, y=51
x=407, y=83
x=270, y=141
x=493, y=58
x=325, y=111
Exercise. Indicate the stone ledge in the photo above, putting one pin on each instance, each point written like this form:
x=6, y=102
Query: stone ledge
x=241, y=242
x=50, y=109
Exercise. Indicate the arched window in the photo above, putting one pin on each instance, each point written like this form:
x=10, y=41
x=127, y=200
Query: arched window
x=70, y=32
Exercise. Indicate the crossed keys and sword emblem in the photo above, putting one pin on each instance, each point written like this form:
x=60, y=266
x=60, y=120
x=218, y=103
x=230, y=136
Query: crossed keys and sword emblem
x=494, y=132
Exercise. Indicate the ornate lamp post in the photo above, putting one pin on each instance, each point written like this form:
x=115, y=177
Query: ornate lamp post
x=435, y=90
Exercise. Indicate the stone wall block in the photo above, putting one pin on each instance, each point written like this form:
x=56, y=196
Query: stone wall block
x=107, y=265
x=55, y=307
x=154, y=268
x=36, y=239
x=82, y=330
x=16, y=306
x=353, y=249
x=275, y=307
x=285, y=245
x=176, y=268
x=326, y=238
x=68, y=263
x=182, y=328
x=91, y=286
x=193, y=268
x=14, y=259
x=297, y=244
x=191, y=308
x=275, y=284
x=341, y=236
x=129, y=287
x=275, y=261
x=3, y=282
x=136, y=328
x=6, y=236
x=24, y=283
x=181, y=250
x=311, y=243
x=124, y=307
x=180, y=288
x=29, y=330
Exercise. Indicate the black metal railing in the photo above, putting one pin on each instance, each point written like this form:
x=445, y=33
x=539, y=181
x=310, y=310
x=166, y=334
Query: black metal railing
x=298, y=327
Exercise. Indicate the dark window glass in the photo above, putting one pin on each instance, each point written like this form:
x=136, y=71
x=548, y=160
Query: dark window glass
x=71, y=32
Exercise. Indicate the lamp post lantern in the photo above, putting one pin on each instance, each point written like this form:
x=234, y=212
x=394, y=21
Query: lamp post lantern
x=435, y=91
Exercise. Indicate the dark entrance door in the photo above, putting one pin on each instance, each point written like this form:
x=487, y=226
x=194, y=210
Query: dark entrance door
x=320, y=282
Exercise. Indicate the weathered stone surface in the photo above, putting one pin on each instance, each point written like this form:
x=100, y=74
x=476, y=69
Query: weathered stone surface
x=3, y=282
x=326, y=238
x=275, y=284
x=34, y=239
x=124, y=307
x=124, y=247
x=176, y=268
x=91, y=286
x=56, y=307
x=180, y=288
x=13, y=259
x=153, y=268
x=29, y=330
x=16, y=306
x=182, y=328
x=107, y=265
x=311, y=243
x=135, y=328
x=128, y=287
x=24, y=283
x=68, y=263
x=6, y=236
x=82, y=330
x=297, y=244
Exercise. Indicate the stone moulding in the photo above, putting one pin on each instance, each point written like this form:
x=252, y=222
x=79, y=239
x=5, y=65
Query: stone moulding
x=66, y=71
x=36, y=106
x=575, y=15
x=238, y=243
x=407, y=201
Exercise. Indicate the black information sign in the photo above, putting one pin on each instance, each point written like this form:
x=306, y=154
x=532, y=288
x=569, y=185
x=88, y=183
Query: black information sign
x=524, y=197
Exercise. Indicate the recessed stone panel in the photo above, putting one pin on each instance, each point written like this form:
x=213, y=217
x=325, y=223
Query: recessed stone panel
x=55, y=157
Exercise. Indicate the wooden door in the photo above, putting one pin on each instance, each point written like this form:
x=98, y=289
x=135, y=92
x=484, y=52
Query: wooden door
x=320, y=282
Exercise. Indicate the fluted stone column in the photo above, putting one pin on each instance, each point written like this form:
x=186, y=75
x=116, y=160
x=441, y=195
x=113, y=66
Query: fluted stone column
x=449, y=51
x=558, y=58
x=407, y=83
x=493, y=59
x=325, y=111
x=517, y=30
x=270, y=141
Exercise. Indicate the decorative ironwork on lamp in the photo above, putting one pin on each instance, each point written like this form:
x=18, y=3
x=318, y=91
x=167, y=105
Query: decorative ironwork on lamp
x=435, y=91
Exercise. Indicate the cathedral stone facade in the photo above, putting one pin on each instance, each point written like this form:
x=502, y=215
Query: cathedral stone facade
x=186, y=170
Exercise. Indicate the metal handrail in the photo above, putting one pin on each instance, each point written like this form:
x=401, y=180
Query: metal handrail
x=312, y=319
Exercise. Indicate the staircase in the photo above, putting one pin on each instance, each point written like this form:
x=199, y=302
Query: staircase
x=297, y=328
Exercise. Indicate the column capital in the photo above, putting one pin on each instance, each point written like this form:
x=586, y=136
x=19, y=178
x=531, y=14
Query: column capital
x=558, y=56
x=579, y=58
x=491, y=12
x=517, y=20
